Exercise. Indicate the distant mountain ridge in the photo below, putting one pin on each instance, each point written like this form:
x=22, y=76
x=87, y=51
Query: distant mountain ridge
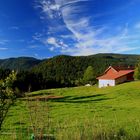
x=20, y=63
x=79, y=63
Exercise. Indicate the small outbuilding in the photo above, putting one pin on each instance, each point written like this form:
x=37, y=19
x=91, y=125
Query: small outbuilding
x=113, y=76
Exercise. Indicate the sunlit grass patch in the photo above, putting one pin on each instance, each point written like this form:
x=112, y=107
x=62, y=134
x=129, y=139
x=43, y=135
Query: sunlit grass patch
x=81, y=112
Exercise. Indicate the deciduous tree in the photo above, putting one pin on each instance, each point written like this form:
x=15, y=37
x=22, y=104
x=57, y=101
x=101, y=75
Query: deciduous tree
x=137, y=72
x=7, y=96
x=89, y=76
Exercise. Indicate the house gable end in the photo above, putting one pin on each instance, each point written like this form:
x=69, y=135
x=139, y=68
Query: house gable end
x=110, y=70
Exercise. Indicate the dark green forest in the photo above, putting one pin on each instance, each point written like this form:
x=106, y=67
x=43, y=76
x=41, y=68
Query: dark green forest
x=20, y=63
x=60, y=71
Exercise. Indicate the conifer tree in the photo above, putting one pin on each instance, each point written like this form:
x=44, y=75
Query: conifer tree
x=89, y=76
x=137, y=72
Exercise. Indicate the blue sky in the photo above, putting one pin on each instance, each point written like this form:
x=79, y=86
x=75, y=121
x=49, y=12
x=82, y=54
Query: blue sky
x=45, y=28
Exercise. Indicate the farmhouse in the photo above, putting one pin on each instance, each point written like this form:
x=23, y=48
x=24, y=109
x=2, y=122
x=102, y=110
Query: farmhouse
x=113, y=76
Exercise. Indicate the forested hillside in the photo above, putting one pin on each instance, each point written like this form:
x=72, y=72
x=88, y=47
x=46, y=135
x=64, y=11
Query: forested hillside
x=68, y=69
x=21, y=63
x=61, y=71
x=78, y=63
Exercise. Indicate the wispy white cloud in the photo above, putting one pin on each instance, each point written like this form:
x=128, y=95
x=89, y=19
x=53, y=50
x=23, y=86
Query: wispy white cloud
x=52, y=41
x=49, y=8
x=55, y=43
x=68, y=2
x=86, y=38
x=108, y=45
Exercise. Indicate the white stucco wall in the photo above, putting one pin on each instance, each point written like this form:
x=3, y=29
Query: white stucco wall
x=105, y=83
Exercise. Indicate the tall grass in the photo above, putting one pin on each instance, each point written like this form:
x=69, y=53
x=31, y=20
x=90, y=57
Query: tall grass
x=82, y=113
x=96, y=131
x=42, y=128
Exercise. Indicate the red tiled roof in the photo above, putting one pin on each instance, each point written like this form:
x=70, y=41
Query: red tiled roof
x=114, y=75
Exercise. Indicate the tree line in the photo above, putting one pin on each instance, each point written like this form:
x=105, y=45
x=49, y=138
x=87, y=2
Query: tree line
x=67, y=71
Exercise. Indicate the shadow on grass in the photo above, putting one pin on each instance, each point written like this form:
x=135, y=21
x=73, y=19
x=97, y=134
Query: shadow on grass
x=71, y=99
x=81, y=99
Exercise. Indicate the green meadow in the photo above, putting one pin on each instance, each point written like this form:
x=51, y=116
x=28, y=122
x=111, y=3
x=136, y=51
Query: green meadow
x=79, y=113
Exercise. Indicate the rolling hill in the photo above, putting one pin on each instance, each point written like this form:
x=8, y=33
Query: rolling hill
x=111, y=113
x=76, y=62
x=21, y=63
x=70, y=68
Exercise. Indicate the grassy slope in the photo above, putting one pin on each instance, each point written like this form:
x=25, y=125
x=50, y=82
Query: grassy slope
x=120, y=102
x=113, y=107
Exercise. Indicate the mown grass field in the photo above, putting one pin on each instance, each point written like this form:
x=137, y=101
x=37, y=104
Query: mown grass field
x=77, y=113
